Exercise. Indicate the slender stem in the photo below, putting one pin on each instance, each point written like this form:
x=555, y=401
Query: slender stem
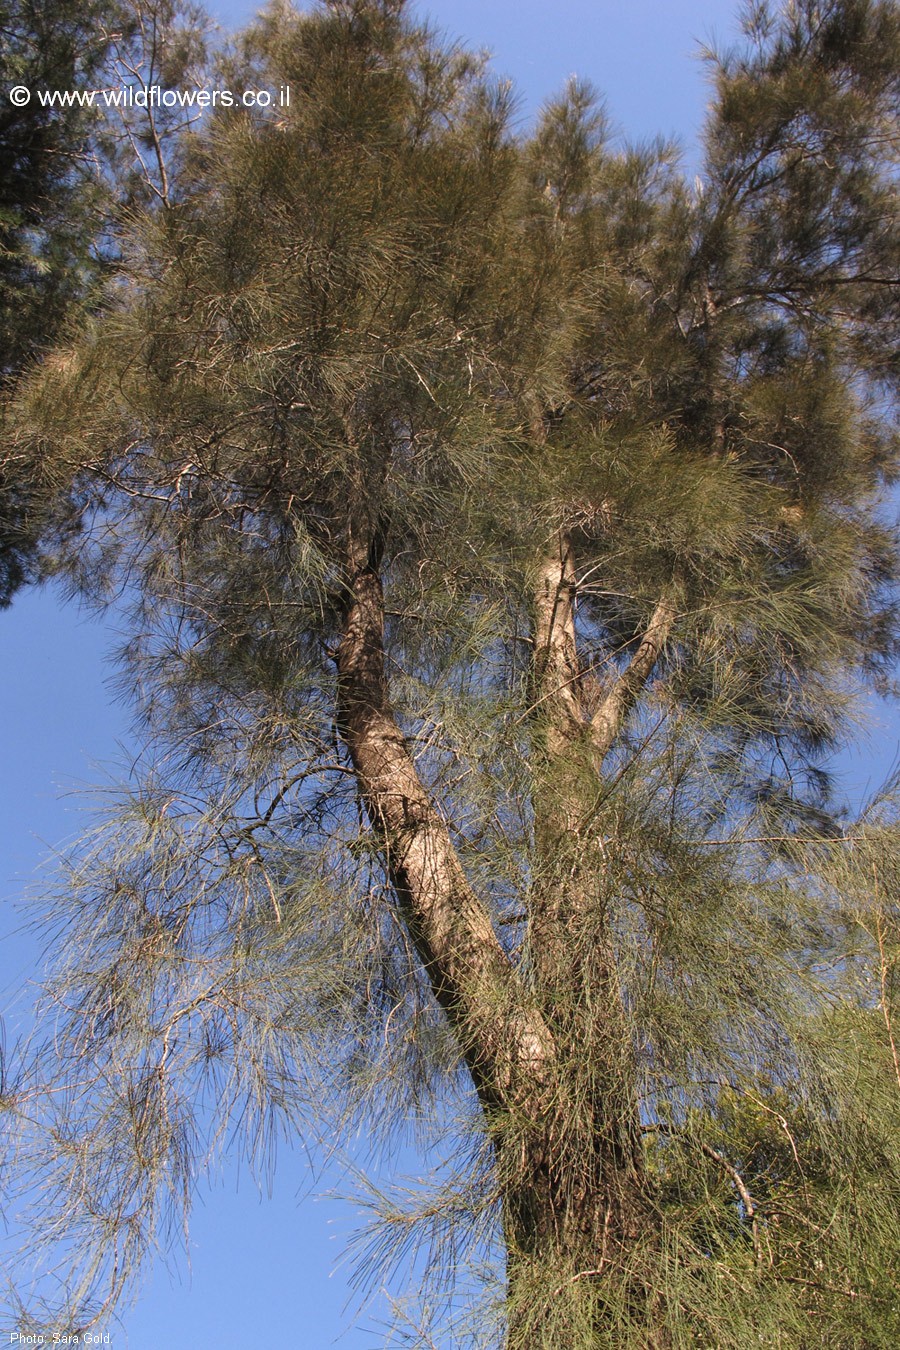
x=884, y=967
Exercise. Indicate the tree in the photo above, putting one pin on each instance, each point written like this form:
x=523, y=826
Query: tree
x=501, y=519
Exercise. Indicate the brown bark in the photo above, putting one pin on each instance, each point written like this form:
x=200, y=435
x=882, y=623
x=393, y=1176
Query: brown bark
x=587, y=1194
x=563, y=773
x=557, y=677
x=506, y=1042
x=562, y=1112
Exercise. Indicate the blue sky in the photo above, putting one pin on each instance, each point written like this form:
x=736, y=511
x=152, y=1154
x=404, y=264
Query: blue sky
x=260, y=1266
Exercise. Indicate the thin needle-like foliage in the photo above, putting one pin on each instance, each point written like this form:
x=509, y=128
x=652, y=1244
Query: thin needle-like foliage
x=502, y=528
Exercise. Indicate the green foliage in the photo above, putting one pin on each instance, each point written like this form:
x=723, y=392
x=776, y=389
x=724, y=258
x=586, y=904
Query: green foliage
x=47, y=221
x=68, y=179
x=44, y=206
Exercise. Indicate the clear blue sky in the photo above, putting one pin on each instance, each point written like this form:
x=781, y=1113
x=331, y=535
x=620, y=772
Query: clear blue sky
x=260, y=1267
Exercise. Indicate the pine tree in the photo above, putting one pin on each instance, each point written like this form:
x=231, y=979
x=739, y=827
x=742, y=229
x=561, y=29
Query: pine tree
x=505, y=529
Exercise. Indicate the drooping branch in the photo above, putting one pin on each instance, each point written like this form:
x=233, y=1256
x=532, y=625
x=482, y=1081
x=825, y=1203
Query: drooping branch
x=608, y=719
x=885, y=975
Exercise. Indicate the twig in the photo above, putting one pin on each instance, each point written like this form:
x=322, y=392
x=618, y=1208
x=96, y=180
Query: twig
x=728, y=1168
x=883, y=962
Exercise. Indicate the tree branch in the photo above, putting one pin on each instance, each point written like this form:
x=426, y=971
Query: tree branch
x=728, y=1168
x=609, y=717
x=556, y=671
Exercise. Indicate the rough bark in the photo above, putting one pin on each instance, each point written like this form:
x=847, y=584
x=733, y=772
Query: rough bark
x=562, y=1113
x=563, y=776
x=570, y=748
x=506, y=1042
x=588, y=1197
x=557, y=676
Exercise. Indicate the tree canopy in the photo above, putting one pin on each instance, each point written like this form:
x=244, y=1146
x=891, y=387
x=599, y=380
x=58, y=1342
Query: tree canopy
x=46, y=224
x=69, y=174
x=502, y=521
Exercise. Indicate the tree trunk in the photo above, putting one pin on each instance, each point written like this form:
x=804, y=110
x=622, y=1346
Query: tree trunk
x=552, y=1061
x=506, y=1042
x=583, y=1202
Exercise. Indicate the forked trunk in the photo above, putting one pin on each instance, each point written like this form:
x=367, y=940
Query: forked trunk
x=579, y=1209
x=552, y=1059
